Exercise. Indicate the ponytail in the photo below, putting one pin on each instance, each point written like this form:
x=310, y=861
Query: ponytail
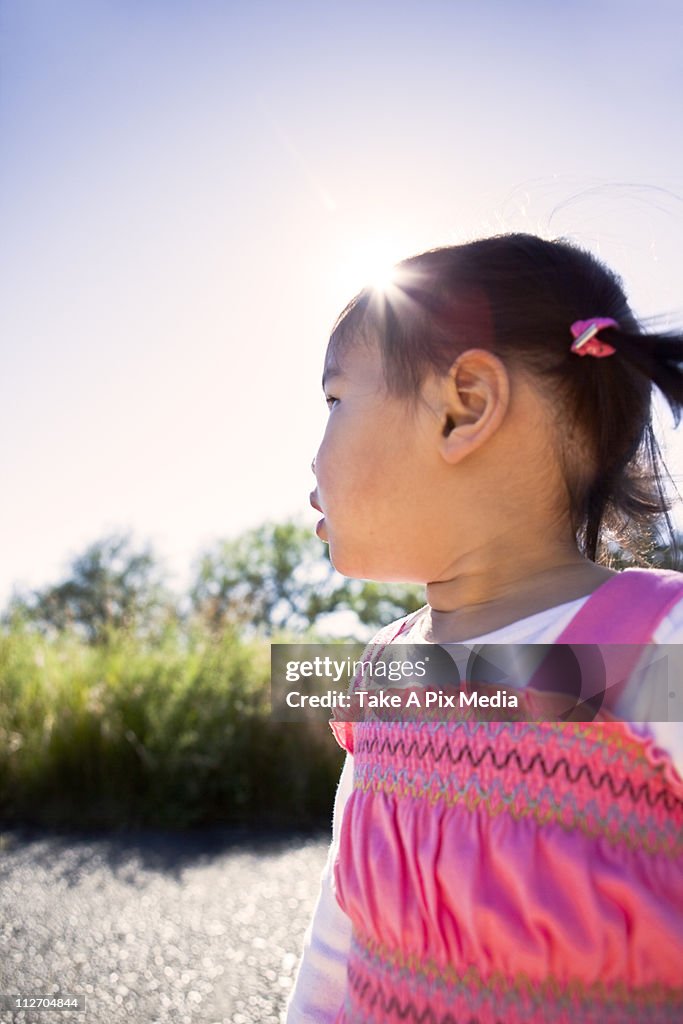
x=658, y=357
x=628, y=498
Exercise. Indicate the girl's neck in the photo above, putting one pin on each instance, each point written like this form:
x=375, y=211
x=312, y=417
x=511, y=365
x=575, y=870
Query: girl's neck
x=474, y=603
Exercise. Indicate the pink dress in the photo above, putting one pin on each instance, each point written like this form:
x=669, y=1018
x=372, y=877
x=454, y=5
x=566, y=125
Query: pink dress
x=500, y=873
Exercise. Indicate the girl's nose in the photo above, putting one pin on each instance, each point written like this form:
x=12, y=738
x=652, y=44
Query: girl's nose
x=313, y=466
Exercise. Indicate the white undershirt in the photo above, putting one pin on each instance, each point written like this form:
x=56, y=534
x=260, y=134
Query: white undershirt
x=320, y=983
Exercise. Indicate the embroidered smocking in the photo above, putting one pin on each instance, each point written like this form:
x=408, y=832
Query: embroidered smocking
x=512, y=872
x=600, y=782
x=384, y=986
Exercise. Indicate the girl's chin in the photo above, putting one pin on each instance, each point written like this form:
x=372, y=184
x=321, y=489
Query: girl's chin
x=347, y=563
x=340, y=559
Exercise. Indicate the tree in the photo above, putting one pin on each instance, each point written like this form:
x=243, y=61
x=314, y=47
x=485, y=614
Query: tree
x=109, y=587
x=279, y=576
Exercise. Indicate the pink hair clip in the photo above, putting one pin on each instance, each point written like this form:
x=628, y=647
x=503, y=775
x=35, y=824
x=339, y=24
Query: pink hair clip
x=585, y=341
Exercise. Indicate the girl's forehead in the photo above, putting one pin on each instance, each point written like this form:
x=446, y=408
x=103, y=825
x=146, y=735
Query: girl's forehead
x=333, y=364
x=357, y=359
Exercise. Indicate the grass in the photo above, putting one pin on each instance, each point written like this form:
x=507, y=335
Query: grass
x=177, y=735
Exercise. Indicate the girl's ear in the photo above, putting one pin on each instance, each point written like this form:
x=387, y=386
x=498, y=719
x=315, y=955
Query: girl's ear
x=475, y=399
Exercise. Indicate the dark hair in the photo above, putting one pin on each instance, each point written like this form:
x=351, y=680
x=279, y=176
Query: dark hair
x=517, y=296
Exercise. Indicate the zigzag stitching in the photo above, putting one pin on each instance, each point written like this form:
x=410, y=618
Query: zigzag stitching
x=417, y=783
x=572, y=775
x=475, y=725
x=572, y=994
x=635, y=834
x=569, y=1001
x=481, y=997
x=613, y=746
x=392, y=1005
x=421, y=785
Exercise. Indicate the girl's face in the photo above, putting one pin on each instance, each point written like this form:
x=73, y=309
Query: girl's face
x=457, y=483
x=377, y=472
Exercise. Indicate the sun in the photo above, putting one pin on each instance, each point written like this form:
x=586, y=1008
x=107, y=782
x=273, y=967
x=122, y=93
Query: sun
x=382, y=276
x=370, y=263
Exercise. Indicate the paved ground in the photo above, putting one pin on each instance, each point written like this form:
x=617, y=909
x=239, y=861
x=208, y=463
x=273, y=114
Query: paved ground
x=192, y=928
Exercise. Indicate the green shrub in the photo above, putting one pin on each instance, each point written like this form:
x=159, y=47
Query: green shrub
x=175, y=735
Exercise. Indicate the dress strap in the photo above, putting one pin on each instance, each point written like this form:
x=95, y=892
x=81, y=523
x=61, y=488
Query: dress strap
x=626, y=609
x=615, y=625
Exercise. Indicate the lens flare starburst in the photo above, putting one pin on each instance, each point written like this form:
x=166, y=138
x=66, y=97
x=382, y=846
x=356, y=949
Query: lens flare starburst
x=371, y=264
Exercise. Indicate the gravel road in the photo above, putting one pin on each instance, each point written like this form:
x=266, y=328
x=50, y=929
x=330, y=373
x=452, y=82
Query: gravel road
x=203, y=927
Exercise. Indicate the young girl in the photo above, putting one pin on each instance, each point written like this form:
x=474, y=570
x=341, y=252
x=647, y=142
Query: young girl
x=490, y=426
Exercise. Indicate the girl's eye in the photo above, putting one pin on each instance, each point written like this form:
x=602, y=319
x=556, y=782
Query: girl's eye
x=330, y=399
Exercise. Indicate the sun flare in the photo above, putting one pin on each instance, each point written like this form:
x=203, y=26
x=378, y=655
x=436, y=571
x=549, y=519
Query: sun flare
x=370, y=264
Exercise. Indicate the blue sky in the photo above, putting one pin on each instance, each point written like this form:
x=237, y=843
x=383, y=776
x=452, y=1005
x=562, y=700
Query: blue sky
x=189, y=193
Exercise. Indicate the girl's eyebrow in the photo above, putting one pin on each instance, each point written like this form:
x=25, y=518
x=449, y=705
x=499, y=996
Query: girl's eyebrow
x=329, y=373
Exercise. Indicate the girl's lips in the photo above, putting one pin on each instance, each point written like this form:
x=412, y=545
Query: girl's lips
x=320, y=525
